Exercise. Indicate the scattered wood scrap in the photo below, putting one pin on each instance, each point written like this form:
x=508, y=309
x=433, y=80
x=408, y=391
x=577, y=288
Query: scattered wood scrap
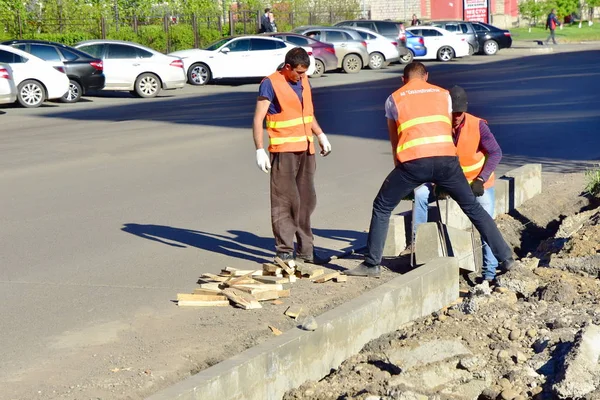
x=293, y=311
x=198, y=300
x=341, y=278
x=326, y=277
x=242, y=299
x=275, y=331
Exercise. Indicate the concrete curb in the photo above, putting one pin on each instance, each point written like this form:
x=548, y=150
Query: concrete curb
x=512, y=189
x=270, y=369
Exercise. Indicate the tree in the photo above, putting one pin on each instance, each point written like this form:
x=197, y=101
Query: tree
x=532, y=11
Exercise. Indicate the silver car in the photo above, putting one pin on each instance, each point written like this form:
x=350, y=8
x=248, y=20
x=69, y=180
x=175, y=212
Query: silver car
x=350, y=48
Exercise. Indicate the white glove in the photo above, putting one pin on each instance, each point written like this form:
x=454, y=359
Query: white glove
x=262, y=160
x=324, y=143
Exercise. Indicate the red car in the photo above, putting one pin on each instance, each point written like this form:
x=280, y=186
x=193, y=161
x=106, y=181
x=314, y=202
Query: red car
x=324, y=53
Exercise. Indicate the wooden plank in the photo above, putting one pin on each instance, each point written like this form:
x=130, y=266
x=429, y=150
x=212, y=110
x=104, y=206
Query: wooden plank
x=277, y=302
x=266, y=295
x=242, y=299
x=271, y=279
x=209, y=292
x=314, y=273
x=292, y=278
x=211, y=286
x=341, y=278
x=213, y=277
x=326, y=277
x=244, y=279
x=293, y=311
x=271, y=269
x=284, y=293
x=289, y=267
x=196, y=300
x=260, y=287
x=275, y=331
x=230, y=271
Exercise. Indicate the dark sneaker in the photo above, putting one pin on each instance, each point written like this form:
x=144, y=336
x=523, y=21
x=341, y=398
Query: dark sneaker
x=371, y=271
x=285, y=257
x=314, y=259
x=507, y=265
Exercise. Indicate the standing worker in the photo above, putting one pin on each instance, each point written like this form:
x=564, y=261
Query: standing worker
x=420, y=129
x=285, y=99
x=551, y=23
x=478, y=154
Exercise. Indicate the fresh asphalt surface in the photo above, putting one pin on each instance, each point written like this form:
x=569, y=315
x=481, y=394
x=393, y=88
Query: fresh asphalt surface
x=111, y=206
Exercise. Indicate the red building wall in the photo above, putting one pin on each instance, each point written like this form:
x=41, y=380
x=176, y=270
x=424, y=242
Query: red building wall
x=446, y=9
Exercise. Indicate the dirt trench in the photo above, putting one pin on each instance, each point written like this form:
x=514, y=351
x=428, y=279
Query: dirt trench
x=524, y=338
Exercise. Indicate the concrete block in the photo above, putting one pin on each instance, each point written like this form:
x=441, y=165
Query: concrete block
x=428, y=244
x=459, y=243
x=501, y=206
x=524, y=183
x=456, y=217
x=267, y=371
x=398, y=234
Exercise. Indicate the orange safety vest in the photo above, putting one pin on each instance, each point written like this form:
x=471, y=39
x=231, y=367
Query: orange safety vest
x=424, y=123
x=470, y=158
x=291, y=129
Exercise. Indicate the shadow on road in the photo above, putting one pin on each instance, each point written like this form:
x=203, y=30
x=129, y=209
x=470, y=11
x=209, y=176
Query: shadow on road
x=239, y=244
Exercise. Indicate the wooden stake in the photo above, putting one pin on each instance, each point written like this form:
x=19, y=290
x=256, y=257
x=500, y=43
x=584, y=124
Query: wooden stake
x=196, y=300
x=289, y=269
x=293, y=311
x=327, y=277
x=242, y=299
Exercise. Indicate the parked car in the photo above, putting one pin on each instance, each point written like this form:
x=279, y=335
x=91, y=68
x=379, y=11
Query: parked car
x=463, y=29
x=350, y=48
x=8, y=90
x=390, y=29
x=84, y=71
x=381, y=49
x=440, y=43
x=491, y=39
x=416, y=47
x=35, y=79
x=136, y=68
x=324, y=53
x=234, y=57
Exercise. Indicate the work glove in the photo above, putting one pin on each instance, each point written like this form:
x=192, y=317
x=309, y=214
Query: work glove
x=324, y=143
x=477, y=187
x=262, y=160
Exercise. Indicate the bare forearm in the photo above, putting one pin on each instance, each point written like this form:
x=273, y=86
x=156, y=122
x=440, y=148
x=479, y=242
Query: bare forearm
x=257, y=133
x=316, y=128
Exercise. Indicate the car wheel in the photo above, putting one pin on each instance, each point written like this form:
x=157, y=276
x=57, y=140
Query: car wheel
x=147, y=85
x=445, y=53
x=352, y=64
x=407, y=58
x=74, y=93
x=490, y=47
x=471, y=50
x=376, y=61
x=31, y=94
x=199, y=74
x=319, y=69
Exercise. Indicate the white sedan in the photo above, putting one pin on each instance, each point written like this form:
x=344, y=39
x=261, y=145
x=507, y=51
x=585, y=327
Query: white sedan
x=381, y=49
x=440, y=43
x=8, y=90
x=237, y=57
x=35, y=79
x=132, y=67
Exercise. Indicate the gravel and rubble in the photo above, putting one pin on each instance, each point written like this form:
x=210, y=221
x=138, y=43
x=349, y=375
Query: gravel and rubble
x=536, y=334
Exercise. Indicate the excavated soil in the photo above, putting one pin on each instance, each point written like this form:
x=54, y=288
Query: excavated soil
x=520, y=339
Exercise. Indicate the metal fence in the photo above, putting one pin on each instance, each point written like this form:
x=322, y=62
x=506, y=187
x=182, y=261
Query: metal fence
x=166, y=32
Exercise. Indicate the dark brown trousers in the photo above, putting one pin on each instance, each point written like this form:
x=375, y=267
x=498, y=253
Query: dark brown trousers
x=293, y=200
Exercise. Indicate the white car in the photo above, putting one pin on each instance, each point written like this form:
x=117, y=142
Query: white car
x=8, y=90
x=237, y=57
x=440, y=43
x=381, y=49
x=35, y=79
x=132, y=67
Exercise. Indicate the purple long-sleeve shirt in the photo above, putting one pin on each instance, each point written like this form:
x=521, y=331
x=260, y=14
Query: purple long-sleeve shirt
x=487, y=145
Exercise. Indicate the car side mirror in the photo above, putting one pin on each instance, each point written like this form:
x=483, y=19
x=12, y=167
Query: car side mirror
x=225, y=50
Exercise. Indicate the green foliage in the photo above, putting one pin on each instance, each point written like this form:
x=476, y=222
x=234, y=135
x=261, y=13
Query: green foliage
x=65, y=38
x=181, y=37
x=208, y=36
x=153, y=36
x=563, y=7
x=592, y=177
x=124, y=33
x=532, y=10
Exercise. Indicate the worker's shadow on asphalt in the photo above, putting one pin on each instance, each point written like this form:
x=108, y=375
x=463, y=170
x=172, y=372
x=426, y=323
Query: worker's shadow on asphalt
x=239, y=244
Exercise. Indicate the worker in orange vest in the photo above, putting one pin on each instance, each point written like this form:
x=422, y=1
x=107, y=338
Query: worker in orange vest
x=420, y=129
x=478, y=154
x=285, y=99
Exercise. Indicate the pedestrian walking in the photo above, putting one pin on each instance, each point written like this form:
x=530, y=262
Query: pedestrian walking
x=265, y=22
x=285, y=100
x=420, y=129
x=551, y=23
x=478, y=154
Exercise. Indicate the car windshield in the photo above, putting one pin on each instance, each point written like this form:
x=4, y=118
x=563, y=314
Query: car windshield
x=217, y=44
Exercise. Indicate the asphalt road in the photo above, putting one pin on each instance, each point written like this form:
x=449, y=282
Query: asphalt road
x=111, y=206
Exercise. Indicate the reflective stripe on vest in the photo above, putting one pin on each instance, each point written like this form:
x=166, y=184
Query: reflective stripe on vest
x=292, y=139
x=425, y=140
x=289, y=123
x=474, y=167
x=423, y=120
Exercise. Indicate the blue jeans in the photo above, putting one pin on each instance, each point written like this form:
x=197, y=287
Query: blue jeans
x=424, y=195
x=445, y=172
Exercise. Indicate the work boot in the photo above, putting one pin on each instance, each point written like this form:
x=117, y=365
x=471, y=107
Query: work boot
x=507, y=265
x=407, y=251
x=314, y=259
x=364, y=269
x=285, y=257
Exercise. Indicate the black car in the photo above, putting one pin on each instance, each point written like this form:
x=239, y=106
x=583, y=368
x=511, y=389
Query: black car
x=491, y=39
x=390, y=29
x=85, y=72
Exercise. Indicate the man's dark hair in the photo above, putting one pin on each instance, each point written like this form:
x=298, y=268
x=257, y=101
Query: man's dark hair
x=297, y=57
x=267, y=10
x=414, y=70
